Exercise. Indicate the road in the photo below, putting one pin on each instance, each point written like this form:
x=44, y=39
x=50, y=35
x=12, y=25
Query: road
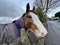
x=53, y=37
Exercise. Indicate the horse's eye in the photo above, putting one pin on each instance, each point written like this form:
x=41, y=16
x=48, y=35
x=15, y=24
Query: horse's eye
x=29, y=17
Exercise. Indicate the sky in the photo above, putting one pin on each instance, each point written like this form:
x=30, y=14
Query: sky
x=52, y=12
x=12, y=9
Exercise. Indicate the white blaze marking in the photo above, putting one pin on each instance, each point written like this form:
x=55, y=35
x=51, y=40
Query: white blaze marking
x=39, y=25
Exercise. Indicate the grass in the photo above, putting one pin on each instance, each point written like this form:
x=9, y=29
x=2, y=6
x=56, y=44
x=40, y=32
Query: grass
x=42, y=41
x=24, y=37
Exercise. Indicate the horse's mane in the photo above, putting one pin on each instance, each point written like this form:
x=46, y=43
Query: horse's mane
x=29, y=11
x=33, y=11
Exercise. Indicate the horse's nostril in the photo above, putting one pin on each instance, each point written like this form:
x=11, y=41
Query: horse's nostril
x=42, y=33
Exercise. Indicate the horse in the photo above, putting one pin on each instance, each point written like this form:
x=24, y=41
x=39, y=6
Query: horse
x=32, y=22
x=29, y=20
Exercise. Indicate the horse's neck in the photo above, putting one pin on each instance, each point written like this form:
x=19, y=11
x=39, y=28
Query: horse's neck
x=19, y=23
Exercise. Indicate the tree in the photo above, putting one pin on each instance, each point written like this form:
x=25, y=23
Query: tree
x=40, y=15
x=45, y=5
x=57, y=14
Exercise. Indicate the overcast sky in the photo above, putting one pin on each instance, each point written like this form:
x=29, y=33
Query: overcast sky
x=53, y=11
x=12, y=9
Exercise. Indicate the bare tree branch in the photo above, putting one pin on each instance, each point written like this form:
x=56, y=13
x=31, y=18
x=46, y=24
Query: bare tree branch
x=45, y=5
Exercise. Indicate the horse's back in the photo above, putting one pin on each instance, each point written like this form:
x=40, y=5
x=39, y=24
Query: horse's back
x=8, y=33
x=11, y=31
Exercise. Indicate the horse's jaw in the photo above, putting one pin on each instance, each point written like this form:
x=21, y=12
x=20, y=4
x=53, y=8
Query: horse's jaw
x=39, y=34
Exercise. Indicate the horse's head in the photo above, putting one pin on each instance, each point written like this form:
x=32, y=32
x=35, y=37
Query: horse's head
x=32, y=22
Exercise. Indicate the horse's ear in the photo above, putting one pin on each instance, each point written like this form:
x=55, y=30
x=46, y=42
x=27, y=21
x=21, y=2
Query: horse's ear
x=33, y=8
x=14, y=21
x=27, y=7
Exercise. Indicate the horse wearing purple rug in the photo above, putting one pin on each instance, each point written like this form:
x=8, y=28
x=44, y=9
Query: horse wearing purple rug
x=10, y=32
x=29, y=20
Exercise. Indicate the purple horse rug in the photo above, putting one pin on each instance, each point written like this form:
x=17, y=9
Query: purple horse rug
x=10, y=32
